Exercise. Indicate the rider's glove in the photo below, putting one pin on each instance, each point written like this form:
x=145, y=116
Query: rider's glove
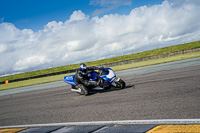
x=89, y=75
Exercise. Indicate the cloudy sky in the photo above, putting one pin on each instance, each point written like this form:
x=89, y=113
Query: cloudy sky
x=38, y=34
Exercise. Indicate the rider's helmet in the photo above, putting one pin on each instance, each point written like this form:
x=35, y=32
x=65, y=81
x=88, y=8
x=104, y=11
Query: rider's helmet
x=83, y=68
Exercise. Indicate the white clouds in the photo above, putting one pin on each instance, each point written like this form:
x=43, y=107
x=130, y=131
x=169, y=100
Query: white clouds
x=78, y=16
x=81, y=38
x=53, y=26
x=74, y=45
x=30, y=62
x=3, y=48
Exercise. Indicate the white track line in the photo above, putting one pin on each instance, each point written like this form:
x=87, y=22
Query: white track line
x=122, y=122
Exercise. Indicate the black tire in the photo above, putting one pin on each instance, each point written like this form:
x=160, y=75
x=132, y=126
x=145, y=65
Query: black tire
x=121, y=84
x=84, y=90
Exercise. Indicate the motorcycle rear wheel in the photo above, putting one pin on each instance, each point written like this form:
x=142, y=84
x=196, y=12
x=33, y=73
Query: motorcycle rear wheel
x=84, y=90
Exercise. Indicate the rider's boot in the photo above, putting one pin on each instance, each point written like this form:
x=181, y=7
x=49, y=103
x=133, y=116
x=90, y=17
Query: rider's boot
x=75, y=89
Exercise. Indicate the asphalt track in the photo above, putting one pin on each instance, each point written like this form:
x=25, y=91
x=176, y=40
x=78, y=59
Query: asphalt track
x=166, y=91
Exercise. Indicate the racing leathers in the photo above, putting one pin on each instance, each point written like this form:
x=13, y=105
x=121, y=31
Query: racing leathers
x=81, y=78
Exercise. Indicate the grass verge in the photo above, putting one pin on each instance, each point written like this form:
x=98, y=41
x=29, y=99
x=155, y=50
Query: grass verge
x=116, y=68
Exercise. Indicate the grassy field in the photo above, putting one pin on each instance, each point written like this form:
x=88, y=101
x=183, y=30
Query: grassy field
x=105, y=61
x=116, y=68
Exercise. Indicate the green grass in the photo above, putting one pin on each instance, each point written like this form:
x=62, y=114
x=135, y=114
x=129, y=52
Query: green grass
x=105, y=61
x=116, y=68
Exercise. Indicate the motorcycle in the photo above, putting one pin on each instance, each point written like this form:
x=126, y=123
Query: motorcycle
x=106, y=75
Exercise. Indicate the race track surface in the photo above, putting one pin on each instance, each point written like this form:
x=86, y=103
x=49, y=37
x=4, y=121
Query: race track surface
x=161, y=94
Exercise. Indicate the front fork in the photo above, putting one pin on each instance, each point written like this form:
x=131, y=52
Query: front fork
x=114, y=82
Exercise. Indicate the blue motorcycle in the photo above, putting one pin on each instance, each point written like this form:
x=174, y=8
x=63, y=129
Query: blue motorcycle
x=107, y=76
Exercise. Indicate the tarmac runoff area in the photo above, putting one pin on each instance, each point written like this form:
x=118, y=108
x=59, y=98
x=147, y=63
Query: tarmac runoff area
x=124, y=126
x=131, y=126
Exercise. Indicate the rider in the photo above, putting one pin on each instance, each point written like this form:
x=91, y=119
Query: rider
x=81, y=78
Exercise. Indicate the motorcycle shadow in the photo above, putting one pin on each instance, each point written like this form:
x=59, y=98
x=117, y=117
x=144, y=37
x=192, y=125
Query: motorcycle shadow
x=109, y=90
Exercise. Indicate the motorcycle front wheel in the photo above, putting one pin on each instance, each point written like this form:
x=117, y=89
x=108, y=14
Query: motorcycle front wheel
x=120, y=84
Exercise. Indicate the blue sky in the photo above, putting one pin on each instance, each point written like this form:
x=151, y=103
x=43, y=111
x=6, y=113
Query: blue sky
x=34, y=14
x=39, y=34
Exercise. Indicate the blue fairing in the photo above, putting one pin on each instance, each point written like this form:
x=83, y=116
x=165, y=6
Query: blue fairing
x=93, y=76
x=69, y=79
x=109, y=77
